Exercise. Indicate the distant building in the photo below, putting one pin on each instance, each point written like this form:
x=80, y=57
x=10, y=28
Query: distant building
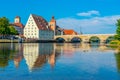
x=18, y=25
x=69, y=32
x=38, y=28
x=57, y=30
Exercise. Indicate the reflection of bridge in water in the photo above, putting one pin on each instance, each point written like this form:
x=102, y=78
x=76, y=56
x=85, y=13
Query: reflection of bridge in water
x=85, y=47
x=84, y=37
x=37, y=54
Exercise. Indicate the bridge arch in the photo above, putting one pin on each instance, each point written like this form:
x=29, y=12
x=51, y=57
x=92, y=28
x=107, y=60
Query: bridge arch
x=94, y=39
x=76, y=39
x=60, y=39
x=110, y=38
x=85, y=37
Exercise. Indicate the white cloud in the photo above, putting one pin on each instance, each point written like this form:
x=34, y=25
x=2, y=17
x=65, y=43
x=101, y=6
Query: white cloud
x=89, y=13
x=93, y=25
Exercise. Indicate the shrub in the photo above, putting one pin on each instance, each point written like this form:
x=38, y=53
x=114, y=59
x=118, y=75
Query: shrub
x=115, y=43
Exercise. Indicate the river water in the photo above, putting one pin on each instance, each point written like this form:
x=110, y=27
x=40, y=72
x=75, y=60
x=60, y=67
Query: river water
x=58, y=61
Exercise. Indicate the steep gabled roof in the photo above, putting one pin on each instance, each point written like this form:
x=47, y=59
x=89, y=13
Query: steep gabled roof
x=40, y=22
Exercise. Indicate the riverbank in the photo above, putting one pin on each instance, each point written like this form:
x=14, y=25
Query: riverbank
x=115, y=43
x=8, y=41
x=26, y=41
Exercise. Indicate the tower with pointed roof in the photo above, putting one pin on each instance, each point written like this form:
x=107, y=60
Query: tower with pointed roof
x=52, y=24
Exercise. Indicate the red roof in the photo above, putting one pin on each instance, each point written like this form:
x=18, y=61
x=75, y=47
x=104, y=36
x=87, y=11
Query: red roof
x=18, y=25
x=69, y=32
x=41, y=22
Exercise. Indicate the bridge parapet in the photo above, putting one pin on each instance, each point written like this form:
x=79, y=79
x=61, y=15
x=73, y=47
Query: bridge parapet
x=84, y=37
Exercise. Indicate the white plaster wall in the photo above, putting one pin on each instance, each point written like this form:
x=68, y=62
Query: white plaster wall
x=31, y=30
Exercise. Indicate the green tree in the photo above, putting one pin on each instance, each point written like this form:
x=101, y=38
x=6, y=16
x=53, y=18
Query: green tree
x=13, y=31
x=4, y=26
x=117, y=36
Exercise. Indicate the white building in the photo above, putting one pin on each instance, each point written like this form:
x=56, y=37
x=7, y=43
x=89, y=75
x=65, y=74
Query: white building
x=37, y=28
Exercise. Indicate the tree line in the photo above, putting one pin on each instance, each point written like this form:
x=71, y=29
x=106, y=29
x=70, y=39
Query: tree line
x=6, y=28
x=117, y=36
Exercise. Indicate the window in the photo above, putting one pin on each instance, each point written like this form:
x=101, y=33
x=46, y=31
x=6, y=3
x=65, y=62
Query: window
x=51, y=24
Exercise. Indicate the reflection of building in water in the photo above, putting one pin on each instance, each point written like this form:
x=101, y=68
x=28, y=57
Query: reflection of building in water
x=31, y=53
x=18, y=57
x=36, y=55
x=51, y=59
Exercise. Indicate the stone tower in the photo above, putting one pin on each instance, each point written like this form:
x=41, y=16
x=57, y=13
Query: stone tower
x=52, y=24
x=17, y=19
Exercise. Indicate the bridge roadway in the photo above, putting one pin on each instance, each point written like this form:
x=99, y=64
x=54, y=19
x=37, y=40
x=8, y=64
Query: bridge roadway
x=84, y=37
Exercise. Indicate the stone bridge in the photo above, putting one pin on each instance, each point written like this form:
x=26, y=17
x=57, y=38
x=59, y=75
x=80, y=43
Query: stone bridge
x=84, y=37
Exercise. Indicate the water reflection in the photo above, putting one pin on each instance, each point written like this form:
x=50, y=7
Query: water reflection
x=75, y=57
x=6, y=54
x=19, y=55
x=81, y=47
x=117, y=57
x=36, y=55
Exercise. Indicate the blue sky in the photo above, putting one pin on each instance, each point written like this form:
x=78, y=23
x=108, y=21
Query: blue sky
x=92, y=16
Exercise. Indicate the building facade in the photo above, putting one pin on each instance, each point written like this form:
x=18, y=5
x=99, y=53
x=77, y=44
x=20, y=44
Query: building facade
x=18, y=25
x=38, y=28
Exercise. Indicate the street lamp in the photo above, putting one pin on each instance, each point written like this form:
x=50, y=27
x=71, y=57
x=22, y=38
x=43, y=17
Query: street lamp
x=81, y=30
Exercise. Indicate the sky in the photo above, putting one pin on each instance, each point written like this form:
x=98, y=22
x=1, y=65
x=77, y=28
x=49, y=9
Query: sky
x=86, y=16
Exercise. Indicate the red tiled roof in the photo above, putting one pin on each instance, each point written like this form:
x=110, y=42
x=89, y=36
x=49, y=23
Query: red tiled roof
x=18, y=25
x=69, y=32
x=41, y=22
